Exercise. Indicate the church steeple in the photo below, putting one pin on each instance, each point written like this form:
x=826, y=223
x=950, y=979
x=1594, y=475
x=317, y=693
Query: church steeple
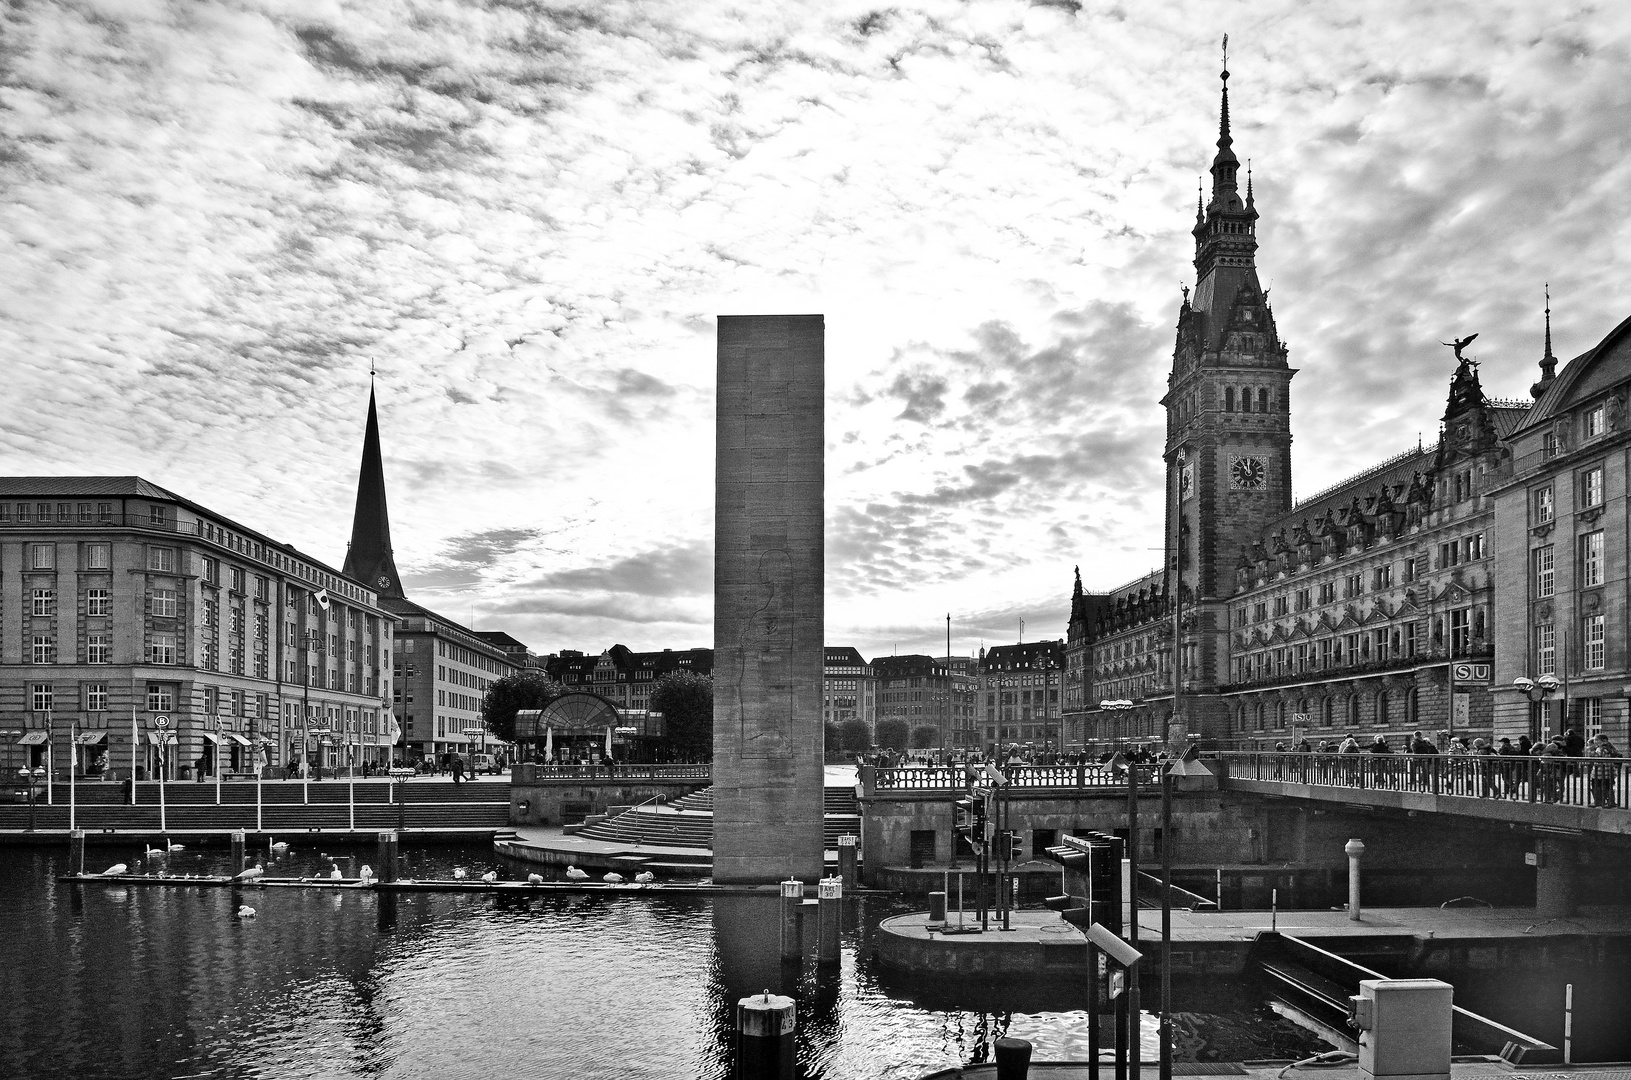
x=368, y=558
x=1226, y=235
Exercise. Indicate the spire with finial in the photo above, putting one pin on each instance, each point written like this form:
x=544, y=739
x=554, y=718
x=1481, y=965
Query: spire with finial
x=1548, y=362
x=368, y=557
x=1250, y=200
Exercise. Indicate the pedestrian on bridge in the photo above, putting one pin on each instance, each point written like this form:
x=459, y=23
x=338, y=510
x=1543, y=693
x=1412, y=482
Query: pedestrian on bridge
x=1603, y=771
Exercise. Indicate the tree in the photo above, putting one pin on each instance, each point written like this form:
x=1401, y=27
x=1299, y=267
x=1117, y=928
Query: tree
x=892, y=733
x=528, y=688
x=833, y=738
x=925, y=736
x=857, y=737
x=686, y=700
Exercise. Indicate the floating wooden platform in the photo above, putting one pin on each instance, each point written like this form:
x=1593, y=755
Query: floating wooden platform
x=409, y=885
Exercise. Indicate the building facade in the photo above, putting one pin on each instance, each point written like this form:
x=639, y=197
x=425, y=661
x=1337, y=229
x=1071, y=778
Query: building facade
x=123, y=603
x=917, y=690
x=1020, y=694
x=626, y=679
x=849, y=691
x=442, y=673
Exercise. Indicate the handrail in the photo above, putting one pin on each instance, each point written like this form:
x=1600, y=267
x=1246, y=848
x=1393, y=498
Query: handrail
x=946, y=778
x=1589, y=782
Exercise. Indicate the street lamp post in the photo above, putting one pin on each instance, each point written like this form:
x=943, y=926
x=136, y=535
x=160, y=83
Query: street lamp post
x=32, y=781
x=1537, y=690
x=1118, y=706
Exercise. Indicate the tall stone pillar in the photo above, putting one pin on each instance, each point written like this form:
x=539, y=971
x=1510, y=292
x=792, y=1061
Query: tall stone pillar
x=768, y=576
x=1556, y=895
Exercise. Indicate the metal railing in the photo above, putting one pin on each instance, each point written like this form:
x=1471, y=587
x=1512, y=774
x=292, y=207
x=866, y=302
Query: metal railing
x=1565, y=781
x=1020, y=778
x=528, y=772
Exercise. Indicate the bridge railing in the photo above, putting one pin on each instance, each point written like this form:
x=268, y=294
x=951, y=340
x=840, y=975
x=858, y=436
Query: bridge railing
x=947, y=778
x=530, y=772
x=1566, y=781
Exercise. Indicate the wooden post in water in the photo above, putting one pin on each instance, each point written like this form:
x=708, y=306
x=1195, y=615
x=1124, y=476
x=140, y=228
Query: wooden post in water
x=237, y=852
x=1013, y=1059
x=387, y=856
x=831, y=893
x=792, y=898
x=847, y=858
x=76, y=851
x=764, y=1037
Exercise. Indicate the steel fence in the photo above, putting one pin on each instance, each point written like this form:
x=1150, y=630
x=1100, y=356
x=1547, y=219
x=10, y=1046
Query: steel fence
x=1566, y=781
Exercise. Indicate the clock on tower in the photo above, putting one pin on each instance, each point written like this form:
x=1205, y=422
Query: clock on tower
x=1248, y=472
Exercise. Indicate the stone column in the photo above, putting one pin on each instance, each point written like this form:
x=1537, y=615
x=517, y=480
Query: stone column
x=1555, y=872
x=768, y=578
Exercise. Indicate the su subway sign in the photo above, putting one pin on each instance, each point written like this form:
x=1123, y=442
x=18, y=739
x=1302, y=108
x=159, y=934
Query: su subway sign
x=1471, y=673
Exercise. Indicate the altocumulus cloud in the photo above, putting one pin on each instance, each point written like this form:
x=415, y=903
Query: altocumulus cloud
x=215, y=216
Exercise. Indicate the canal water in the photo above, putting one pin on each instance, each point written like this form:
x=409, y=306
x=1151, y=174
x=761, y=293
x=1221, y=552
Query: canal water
x=114, y=980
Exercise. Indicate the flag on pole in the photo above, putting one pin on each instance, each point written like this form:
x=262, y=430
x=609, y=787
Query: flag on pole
x=321, y=596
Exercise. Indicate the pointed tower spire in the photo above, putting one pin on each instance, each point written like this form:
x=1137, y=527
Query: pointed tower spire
x=1548, y=362
x=369, y=557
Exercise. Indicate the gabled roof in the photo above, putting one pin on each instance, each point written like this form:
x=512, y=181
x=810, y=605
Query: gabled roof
x=1606, y=364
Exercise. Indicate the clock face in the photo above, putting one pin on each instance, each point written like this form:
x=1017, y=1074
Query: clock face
x=384, y=582
x=1248, y=473
x=1186, y=481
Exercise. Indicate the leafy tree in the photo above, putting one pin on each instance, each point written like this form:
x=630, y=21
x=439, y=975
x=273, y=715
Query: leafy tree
x=833, y=736
x=892, y=733
x=925, y=736
x=686, y=700
x=857, y=737
x=529, y=688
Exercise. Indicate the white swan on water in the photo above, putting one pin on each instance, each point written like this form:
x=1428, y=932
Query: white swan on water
x=574, y=874
x=115, y=870
x=645, y=877
x=535, y=879
x=366, y=873
x=459, y=873
x=335, y=875
x=251, y=874
x=490, y=876
x=613, y=879
x=245, y=911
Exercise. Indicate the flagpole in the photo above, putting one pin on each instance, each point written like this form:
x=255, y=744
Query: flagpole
x=135, y=740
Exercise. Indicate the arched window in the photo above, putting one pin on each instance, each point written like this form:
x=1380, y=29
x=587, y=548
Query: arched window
x=1410, y=707
x=1228, y=399
x=1260, y=716
x=1382, y=707
x=1280, y=715
x=1353, y=710
x=1245, y=399
x=1327, y=712
x=1262, y=399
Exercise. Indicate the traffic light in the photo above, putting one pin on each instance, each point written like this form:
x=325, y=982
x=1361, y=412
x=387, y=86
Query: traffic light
x=1072, y=909
x=970, y=821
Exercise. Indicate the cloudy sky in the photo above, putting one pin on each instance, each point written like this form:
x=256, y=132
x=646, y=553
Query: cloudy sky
x=214, y=216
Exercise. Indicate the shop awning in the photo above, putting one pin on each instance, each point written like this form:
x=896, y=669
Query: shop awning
x=239, y=739
x=212, y=737
x=32, y=738
x=159, y=738
x=89, y=738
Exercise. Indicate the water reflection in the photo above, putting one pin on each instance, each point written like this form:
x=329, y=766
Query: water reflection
x=124, y=980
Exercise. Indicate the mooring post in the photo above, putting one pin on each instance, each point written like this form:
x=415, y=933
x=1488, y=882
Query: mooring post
x=1354, y=849
x=937, y=909
x=809, y=925
x=847, y=852
x=831, y=893
x=764, y=1037
x=387, y=857
x=237, y=852
x=792, y=898
x=1013, y=1059
x=76, y=851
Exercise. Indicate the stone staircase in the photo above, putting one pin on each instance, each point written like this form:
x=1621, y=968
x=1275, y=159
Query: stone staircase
x=688, y=822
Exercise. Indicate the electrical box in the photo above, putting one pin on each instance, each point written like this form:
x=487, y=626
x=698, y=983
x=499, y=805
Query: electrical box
x=1404, y=1028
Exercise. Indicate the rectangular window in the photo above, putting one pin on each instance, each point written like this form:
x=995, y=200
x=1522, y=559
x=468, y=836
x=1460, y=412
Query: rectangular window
x=1449, y=554
x=155, y=515
x=162, y=604
x=1594, y=648
x=97, y=649
x=1304, y=599
x=43, y=556
x=1544, y=511
x=65, y=512
x=208, y=657
x=161, y=649
x=262, y=588
x=211, y=571
x=161, y=697
x=45, y=602
x=44, y=649
x=1460, y=631
x=98, y=556
x=1474, y=547
x=40, y=696
x=85, y=512
x=1591, y=487
x=104, y=511
x=1591, y=716
x=1382, y=577
x=1409, y=571
x=1594, y=421
x=1545, y=649
x=1591, y=560
x=212, y=700
x=161, y=559
x=1328, y=592
x=5, y=511
x=1356, y=586
x=1410, y=639
x=96, y=697
x=1545, y=572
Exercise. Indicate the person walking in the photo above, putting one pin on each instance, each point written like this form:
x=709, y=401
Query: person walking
x=1604, y=771
x=457, y=767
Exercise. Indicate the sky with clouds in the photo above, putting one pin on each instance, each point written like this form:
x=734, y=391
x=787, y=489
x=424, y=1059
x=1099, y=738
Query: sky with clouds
x=215, y=216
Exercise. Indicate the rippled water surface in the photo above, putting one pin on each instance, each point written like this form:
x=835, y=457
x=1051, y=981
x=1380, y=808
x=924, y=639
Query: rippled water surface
x=116, y=980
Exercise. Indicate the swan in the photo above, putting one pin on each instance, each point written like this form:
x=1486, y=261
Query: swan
x=645, y=877
x=251, y=874
x=177, y=847
x=574, y=874
x=613, y=879
x=335, y=875
x=366, y=873
x=459, y=873
x=156, y=851
x=115, y=870
x=490, y=876
x=535, y=879
x=245, y=911
x=280, y=847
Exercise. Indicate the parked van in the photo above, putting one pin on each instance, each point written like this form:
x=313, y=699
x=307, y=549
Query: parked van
x=483, y=763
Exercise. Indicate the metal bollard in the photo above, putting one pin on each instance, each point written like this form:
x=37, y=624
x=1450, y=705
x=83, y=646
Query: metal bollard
x=237, y=852
x=937, y=909
x=831, y=893
x=792, y=898
x=76, y=851
x=1013, y=1059
x=848, y=855
x=386, y=857
x=1353, y=849
x=764, y=1037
